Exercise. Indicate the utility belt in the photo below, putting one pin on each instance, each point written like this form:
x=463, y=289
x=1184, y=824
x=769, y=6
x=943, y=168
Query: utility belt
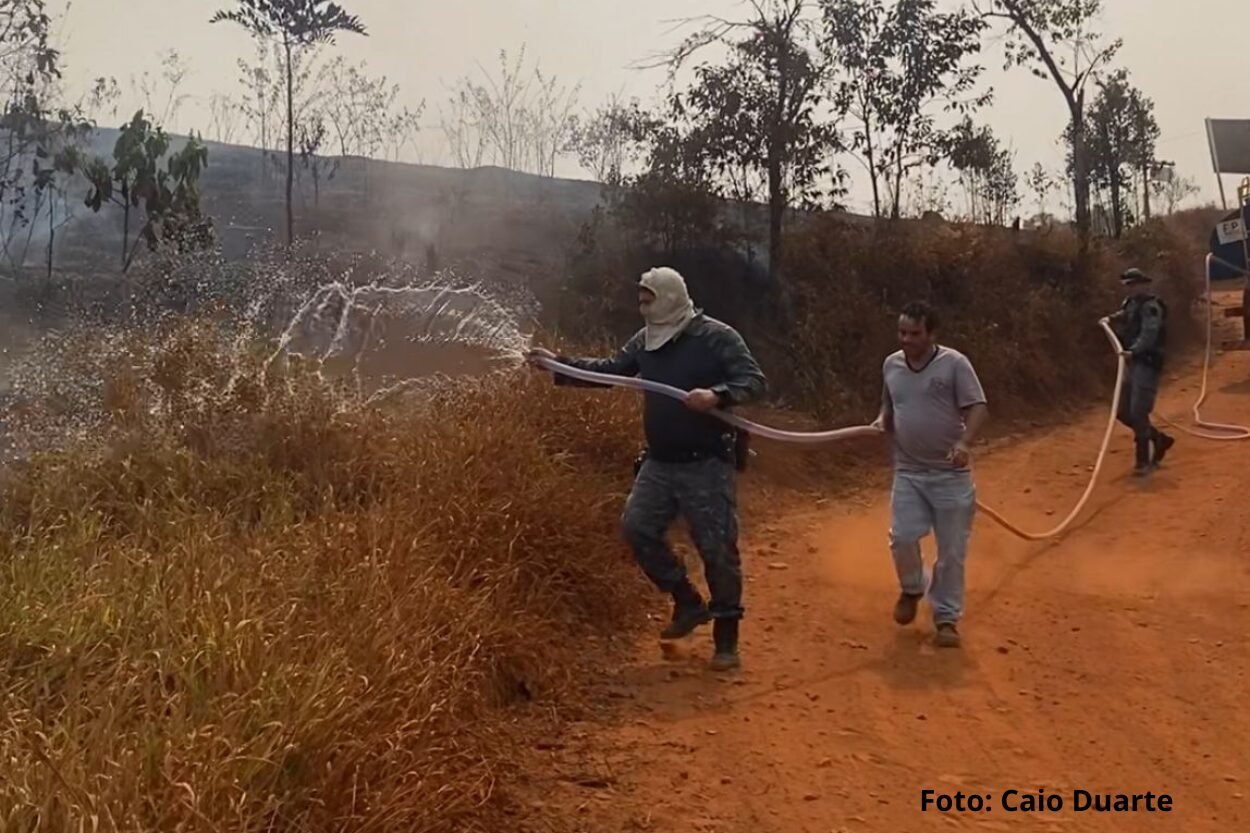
x=736, y=450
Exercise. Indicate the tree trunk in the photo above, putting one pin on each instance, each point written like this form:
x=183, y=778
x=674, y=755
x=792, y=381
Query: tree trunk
x=125, y=226
x=1080, y=171
x=290, y=144
x=897, y=211
x=870, y=152
x=1117, y=208
x=1145, y=191
x=51, y=234
x=776, y=213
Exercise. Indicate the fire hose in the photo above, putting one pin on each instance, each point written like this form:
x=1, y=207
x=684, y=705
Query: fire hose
x=816, y=437
x=1232, y=432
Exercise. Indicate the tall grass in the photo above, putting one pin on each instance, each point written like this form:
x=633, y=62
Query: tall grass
x=1015, y=302
x=1012, y=302
x=247, y=604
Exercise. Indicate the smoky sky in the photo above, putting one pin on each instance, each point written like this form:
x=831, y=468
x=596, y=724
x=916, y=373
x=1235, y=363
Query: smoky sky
x=1187, y=56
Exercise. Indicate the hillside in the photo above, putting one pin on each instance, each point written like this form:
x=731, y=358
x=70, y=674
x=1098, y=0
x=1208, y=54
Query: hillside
x=495, y=223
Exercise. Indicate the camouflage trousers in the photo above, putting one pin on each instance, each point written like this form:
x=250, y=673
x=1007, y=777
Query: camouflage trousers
x=704, y=494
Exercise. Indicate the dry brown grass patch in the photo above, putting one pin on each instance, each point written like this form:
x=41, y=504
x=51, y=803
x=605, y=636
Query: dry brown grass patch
x=247, y=606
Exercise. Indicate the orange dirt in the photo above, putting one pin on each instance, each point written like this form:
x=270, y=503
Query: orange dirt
x=1111, y=660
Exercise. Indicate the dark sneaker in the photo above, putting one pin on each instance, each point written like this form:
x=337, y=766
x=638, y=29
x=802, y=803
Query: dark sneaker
x=1162, y=446
x=725, y=636
x=906, y=606
x=1142, y=471
x=947, y=635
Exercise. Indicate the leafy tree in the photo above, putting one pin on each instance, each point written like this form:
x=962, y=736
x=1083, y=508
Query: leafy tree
x=760, y=112
x=1054, y=39
x=895, y=63
x=295, y=25
x=1120, y=138
x=607, y=140
x=168, y=196
x=39, y=137
x=673, y=202
x=985, y=171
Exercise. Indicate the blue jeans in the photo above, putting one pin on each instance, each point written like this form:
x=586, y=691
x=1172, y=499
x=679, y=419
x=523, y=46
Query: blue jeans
x=943, y=502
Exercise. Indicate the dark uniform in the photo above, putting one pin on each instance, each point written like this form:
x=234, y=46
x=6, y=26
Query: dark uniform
x=688, y=469
x=1141, y=325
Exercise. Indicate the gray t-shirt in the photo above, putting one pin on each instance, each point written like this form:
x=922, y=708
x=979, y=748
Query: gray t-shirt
x=927, y=405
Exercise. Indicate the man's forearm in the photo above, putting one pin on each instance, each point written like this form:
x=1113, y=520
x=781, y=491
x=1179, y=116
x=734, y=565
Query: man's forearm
x=624, y=363
x=974, y=419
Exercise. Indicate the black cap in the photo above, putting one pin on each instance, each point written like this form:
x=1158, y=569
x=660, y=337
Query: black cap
x=1134, y=276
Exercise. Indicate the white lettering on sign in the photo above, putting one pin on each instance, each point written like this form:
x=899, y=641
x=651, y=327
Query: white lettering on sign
x=1231, y=231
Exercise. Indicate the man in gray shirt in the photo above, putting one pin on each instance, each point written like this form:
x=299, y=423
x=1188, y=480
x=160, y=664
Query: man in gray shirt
x=932, y=407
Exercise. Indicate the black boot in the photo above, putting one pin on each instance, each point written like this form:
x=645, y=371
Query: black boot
x=1143, y=457
x=725, y=637
x=689, y=612
x=1162, y=444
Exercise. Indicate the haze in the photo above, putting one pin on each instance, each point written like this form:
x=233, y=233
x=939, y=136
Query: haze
x=1183, y=55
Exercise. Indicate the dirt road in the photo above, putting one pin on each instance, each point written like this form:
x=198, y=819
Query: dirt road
x=1112, y=660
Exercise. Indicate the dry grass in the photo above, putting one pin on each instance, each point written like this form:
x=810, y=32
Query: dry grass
x=1011, y=302
x=267, y=609
x=244, y=602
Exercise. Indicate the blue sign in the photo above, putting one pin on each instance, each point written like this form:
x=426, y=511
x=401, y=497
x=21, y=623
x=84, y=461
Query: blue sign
x=1228, y=246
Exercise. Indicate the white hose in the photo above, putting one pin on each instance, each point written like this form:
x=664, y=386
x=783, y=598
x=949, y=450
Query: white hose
x=733, y=419
x=1233, y=432
x=859, y=430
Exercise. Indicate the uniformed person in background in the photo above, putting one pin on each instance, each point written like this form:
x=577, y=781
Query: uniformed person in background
x=689, y=466
x=1141, y=325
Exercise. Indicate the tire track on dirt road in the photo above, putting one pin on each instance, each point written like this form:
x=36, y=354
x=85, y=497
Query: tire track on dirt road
x=1112, y=659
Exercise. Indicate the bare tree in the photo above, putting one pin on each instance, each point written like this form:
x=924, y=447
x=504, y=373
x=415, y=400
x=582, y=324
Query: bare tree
x=402, y=131
x=1041, y=183
x=520, y=121
x=608, y=139
x=162, y=96
x=224, y=115
x=1173, y=190
x=462, y=129
x=549, y=121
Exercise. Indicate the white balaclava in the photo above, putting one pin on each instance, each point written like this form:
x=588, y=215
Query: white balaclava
x=672, y=308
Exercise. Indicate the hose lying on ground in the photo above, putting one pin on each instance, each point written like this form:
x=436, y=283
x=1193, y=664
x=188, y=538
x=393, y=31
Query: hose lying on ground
x=861, y=430
x=1232, y=432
